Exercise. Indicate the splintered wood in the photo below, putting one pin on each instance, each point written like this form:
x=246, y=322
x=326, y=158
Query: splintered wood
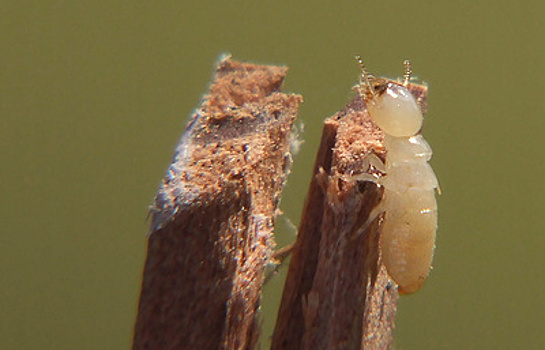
x=212, y=219
x=338, y=294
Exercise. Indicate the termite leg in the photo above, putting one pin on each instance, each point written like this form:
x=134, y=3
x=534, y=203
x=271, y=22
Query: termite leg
x=278, y=259
x=373, y=215
x=373, y=162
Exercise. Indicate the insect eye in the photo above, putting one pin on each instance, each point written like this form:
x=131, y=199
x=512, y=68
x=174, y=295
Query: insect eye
x=380, y=88
x=396, y=112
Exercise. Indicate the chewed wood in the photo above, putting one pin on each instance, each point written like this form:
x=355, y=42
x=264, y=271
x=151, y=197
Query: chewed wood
x=212, y=219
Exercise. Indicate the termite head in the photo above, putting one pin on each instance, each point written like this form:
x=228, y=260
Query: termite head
x=391, y=105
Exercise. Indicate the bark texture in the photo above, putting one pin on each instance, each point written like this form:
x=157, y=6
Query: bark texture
x=212, y=219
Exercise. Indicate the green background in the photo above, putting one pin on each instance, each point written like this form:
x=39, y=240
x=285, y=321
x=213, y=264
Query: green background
x=94, y=96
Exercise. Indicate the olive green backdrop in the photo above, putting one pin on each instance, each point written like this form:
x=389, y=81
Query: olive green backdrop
x=94, y=96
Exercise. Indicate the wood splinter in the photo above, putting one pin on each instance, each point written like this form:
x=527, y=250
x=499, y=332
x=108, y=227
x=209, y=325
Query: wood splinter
x=338, y=294
x=212, y=220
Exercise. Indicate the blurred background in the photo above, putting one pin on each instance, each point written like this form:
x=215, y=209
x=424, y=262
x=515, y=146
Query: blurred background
x=95, y=95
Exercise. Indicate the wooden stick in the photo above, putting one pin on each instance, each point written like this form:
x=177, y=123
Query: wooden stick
x=212, y=220
x=338, y=294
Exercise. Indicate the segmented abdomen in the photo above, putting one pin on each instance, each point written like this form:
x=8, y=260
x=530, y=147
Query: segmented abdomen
x=410, y=221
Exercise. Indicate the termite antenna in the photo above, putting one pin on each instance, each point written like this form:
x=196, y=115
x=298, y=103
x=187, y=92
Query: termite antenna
x=364, y=79
x=408, y=72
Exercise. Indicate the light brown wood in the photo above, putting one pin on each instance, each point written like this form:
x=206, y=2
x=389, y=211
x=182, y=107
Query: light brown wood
x=212, y=220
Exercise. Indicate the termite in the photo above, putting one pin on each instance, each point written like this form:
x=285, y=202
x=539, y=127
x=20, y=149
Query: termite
x=407, y=238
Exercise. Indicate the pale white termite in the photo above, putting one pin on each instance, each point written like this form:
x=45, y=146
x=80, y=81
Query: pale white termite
x=407, y=238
